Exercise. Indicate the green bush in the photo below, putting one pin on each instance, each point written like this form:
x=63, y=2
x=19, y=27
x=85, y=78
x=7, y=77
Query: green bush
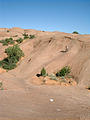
x=4, y=42
x=75, y=32
x=32, y=36
x=63, y=72
x=8, y=63
x=20, y=40
x=14, y=51
x=43, y=72
x=25, y=36
x=7, y=30
x=14, y=55
x=7, y=41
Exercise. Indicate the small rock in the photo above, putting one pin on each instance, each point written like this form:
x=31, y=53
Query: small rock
x=58, y=110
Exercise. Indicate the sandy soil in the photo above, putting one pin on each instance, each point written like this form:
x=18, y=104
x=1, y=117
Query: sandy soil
x=23, y=100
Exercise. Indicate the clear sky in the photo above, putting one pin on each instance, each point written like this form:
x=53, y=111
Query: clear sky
x=49, y=15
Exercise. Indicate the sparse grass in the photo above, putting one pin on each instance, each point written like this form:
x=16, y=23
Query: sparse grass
x=62, y=77
x=7, y=41
x=1, y=86
x=53, y=77
x=63, y=72
x=14, y=55
x=15, y=36
x=70, y=76
x=63, y=80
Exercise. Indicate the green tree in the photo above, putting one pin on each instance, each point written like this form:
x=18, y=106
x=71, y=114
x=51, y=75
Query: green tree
x=75, y=32
x=63, y=72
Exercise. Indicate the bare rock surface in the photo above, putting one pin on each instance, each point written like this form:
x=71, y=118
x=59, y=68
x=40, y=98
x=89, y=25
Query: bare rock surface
x=22, y=99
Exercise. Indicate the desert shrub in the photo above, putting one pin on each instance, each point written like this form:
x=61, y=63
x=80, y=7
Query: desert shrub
x=7, y=30
x=32, y=36
x=88, y=87
x=25, y=36
x=14, y=55
x=14, y=51
x=75, y=32
x=7, y=41
x=8, y=63
x=10, y=41
x=20, y=40
x=43, y=72
x=3, y=42
x=53, y=77
x=63, y=72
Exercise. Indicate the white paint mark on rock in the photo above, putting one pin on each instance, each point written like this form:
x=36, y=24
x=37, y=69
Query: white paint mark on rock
x=51, y=100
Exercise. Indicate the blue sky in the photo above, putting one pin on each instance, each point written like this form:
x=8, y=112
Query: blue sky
x=49, y=15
